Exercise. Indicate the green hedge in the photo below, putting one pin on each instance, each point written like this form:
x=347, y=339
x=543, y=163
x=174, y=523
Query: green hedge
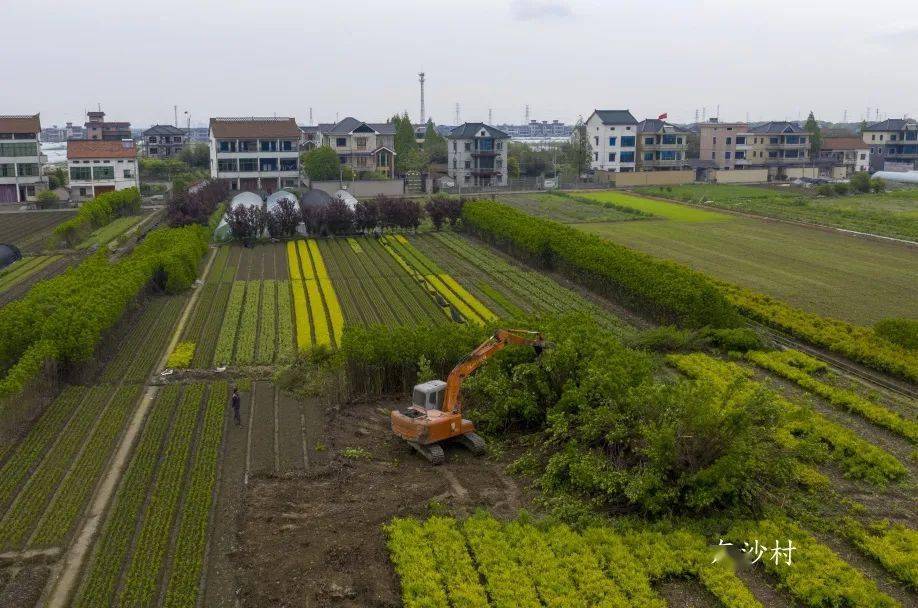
x=65, y=317
x=668, y=291
x=98, y=212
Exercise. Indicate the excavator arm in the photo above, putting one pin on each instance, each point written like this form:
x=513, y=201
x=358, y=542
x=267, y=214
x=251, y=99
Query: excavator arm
x=500, y=340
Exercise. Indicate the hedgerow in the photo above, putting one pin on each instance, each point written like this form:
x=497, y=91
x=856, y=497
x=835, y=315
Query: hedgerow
x=666, y=290
x=98, y=212
x=64, y=318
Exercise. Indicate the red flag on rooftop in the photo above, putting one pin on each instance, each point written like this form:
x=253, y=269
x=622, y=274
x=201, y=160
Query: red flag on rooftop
x=662, y=116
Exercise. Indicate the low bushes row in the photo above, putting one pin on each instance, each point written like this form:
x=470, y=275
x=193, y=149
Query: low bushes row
x=64, y=318
x=97, y=213
x=667, y=291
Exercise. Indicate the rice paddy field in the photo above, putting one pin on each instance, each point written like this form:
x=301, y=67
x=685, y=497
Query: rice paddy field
x=816, y=270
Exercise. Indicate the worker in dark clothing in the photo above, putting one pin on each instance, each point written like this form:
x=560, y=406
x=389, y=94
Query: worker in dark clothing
x=236, y=404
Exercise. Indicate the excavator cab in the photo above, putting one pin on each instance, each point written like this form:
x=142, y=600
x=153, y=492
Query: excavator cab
x=429, y=395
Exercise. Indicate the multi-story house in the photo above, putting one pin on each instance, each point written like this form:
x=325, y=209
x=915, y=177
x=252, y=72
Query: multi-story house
x=98, y=128
x=893, y=144
x=362, y=146
x=661, y=146
x=776, y=146
x=311, y=138
x=163, y=141
x=98, y=166
x=255, y=153
x=477, y=155
x=613, y=137
x=840, y=157
x=20, y=159
x=717, y=142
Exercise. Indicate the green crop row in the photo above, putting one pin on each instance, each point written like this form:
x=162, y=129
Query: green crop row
x=218, y=265
x=74, y=492
x=29, y=452
x=143, y=572
x=506, y=581
x=786, y=363
x=422, y=586
x=893, y=545
x=666, y=290
x=817, y=577
x=38, y=490
x=24, y=269
x=618, y=563
x=142, y=349
x=223, y=354
x=246, y=337
x=285, y=348
x=267, y=325
x=188, y=557
x=859, y=459
x=210, y=329
x=452, y=560
x=104, y=570
x=857, y=343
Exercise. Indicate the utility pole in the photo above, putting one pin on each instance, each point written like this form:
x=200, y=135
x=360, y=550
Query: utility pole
x=527, y=114
x=175, y=109
x=310, y=116
x=423, y=116
x=490, y=116
x=457, y=113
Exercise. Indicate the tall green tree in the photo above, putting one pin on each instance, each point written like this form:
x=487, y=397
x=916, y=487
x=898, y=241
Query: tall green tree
x=579, y=154
x=407, y=155
x=434, y=144
x=812, y=128
x=321, y=163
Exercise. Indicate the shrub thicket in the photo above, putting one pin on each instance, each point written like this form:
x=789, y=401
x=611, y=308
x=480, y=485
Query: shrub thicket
x=97, y=213
x=903, y=332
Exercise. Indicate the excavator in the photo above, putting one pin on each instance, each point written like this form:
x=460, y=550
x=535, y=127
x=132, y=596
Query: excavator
x=435, y=413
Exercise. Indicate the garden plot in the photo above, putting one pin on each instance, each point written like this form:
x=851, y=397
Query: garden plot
x=563, y=209
x=318, y=314
x=29, y=230
x=18, y=278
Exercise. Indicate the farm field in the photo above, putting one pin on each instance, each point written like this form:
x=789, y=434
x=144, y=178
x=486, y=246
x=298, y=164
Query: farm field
x=893, y=213
x=812, y=269
x=564, y=210
x=28, y=230
x=104, y=235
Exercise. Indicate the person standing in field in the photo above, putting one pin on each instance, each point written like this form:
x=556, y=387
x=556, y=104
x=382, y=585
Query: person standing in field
x=236, y=404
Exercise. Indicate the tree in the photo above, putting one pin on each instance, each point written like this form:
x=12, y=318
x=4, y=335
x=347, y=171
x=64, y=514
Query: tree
x=434, y=144
x=246, y=223
x=812, y=128
x=196, y=155
x=513, y=167
x=436, y=211
x=283, y=218
x=579, y=153
x=860, y=182
x=57, y=178
x=45, y=199
x=877, y=185
x=321, y=164
x=407, y=155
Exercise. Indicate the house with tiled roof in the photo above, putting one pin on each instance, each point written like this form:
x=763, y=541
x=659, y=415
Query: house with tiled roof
x=97, y=166
x=840, y=157
x=163, y=141
x=477, y=155
x=98, y=128
x=661, y=145
x=365, y=147
x=256, y=154
x=780, y=146
x=893, y=144
x=20, y=159
x=613, y=138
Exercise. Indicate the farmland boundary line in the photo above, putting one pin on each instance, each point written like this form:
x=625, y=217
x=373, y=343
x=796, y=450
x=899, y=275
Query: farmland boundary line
x=83, y=539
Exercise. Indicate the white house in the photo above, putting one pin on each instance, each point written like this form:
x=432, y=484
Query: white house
x=255, y=153
x=613, y=138
x=98, y=165
x=477, y=155
x=20, y=159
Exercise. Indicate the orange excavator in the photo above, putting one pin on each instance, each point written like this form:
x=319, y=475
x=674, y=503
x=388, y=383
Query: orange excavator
x=435, y=414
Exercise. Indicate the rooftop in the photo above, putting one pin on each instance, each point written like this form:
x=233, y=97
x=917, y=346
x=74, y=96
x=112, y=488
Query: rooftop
x=349, y=124
x=843, y=143
x=655, y=125
x=616, y=117
x=164, y=130
x=780, y=126
x=20, y=123
x=99, y=148
x=892, y=124
x=254, y=127
x=469, y=130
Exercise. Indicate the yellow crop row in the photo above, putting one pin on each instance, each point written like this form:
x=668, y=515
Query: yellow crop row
x=310, y=282
x=317, y=310
x=453, y=299
x=293, y=261
x=480, y=309
x=355, y=245
x=321, y=271
x=301, y=313
x=334, y=308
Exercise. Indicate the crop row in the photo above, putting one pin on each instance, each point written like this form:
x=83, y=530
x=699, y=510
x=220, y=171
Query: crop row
x=787, y=364
x=40, y=487
x=28, y=453
x=318, y=312
x=218, y=266
x=74, y=492
x=895, y=546
x=482, y=562
x=285, y=336
x=223, y=354
x=859, y=459
x=141, y=349
x=143, y=572
x=188, y=556
x=24, y=269
x=210, y=328
x=267, y=323
x=101, y=578
x=857, y=343
x=817, y=577
x=247, y=332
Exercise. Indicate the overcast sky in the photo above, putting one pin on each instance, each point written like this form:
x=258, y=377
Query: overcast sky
x=761, y=59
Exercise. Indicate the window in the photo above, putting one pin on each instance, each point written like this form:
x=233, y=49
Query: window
x=248, y=146
x=248, y=164
x=648, y=141
x=288, y=164
x=454, y=163
x=803, y=140
x=911, y=135
x=740, y=154
x=226, y=164
x=103, y=172
x=340, y=142
x=27, y=170
x=612, y=141
x=671, y=139
x=727, y=155
x=792, y=139
x=268, y=145
x=729, y=140
x=881, y=137
x=773, y=140
x=468, y=146
x=863, y=156
x=715, y=141
x=267, y=164
x=468, y=178
x=873, y=137
x=713, y=155
x=627, y=157
x=154, y=150
x=360, y=143
x=648, y=155
x=595, y=156
x=668, y=155
x=287, y=145
x=500, y=145
x=791, y=153
x=152, y=139
x=21, y=149
x=454, y=146
x=468, y=164
x=627, y=128
x=892, y=137
x=8, y=170
x=128, y=174
x=227, y=145
x=596, y=139
x=80, y=173
x=499, y=163
x=82, y=191
x=772, y=154
x=611, y=157
x=628, y=141
x=740, y=141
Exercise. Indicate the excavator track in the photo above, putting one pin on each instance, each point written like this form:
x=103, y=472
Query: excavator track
x=473, y=443
x=432, y=452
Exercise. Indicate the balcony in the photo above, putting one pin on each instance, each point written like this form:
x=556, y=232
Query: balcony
x=484, y=171
x=484, y=153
